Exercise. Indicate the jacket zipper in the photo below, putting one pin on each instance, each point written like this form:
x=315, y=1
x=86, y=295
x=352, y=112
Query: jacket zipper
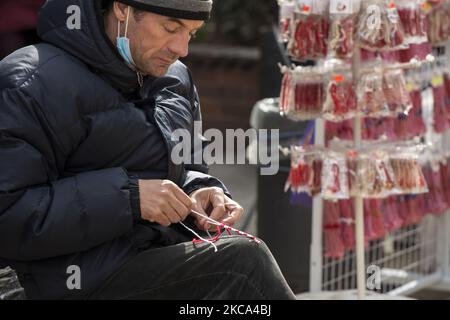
x=140, y=79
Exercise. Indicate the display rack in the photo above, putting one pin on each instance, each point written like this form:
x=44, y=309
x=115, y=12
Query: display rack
x=410, y=259
x=419, y=260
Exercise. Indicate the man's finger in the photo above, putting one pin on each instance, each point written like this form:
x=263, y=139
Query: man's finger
x=199, y=221
x=170, y=213
x=235, y=213
x=163, y=220
x=183, y=197
x=217, y=199
x=179, y=207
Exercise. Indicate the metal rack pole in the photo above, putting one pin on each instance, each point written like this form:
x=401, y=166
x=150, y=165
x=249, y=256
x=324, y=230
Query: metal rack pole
x=359, y=202
x=315, y=278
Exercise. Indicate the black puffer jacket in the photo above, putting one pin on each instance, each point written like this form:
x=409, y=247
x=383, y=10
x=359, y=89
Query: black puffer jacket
x=76, y=131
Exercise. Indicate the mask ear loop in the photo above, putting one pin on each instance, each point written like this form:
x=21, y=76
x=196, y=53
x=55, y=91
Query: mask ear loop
x=128, y=18
x=126, y=24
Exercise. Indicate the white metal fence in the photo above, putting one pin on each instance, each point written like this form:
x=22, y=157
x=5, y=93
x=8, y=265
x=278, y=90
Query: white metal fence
x=408, y=260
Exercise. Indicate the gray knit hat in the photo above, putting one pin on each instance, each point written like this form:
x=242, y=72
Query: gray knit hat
x=182, y=9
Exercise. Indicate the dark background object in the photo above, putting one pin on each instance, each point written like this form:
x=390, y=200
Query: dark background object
x=18, y=21
x=286, y=229
x=239, y=23
x=284, y=226
x=10, y=288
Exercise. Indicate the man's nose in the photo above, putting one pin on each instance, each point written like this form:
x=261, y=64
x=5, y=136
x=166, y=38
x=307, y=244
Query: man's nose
x=180, y=45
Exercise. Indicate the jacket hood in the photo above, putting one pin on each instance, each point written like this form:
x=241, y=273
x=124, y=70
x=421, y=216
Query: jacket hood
x=89, y=43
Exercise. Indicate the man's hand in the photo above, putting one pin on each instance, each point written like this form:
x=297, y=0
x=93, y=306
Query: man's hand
x=214, y=203
x=163, y=202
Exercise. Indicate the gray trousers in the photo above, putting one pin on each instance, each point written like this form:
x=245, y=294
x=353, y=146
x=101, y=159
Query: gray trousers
x=240, y=270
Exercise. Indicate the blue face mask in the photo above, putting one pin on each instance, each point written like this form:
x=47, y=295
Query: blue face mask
x=123, y=43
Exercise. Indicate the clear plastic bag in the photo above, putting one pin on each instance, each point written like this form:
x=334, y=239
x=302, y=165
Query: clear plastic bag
x=379, y=128
x=408, y=172
x=396, y=92
x=306, y=171
x=301, y=175
x=418, y=127
x=422, y=204
x=354, y=179
x=372, y=129
x=341, y=37
x=309, y=96
x=445, y=177
x=286, y=16
x=371, y=98
x=287, y=95
x=439, y=23
x=310, y=33
x=403, y=210
x=438, y=202
x=302, y=94
x=413, y=125
x=415, y=215
x=335, y=177
x=374, y=220
x=441, y=116
x=334, y=246
x=341, y=100
x=342, y=29
x=386, y=129
x=341, y=130
x=392, y=220
x=447, y=87
x=415, y=51
x=316, y=187
x=380, y=27
x=347, y=223
x=376, y=174
x=414, y=20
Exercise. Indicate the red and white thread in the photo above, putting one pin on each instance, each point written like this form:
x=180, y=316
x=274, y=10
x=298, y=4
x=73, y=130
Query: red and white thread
x=219, y=225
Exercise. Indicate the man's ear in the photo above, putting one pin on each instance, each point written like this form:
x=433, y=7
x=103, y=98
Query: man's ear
x=121, y=11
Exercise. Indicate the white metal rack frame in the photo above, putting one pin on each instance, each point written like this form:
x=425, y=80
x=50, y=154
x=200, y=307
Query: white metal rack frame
x=410, y=259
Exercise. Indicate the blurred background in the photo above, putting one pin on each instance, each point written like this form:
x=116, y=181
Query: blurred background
x=227, y=54
x=18, y=21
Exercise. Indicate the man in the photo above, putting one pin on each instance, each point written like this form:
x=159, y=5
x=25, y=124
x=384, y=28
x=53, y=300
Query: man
x=91, y=204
